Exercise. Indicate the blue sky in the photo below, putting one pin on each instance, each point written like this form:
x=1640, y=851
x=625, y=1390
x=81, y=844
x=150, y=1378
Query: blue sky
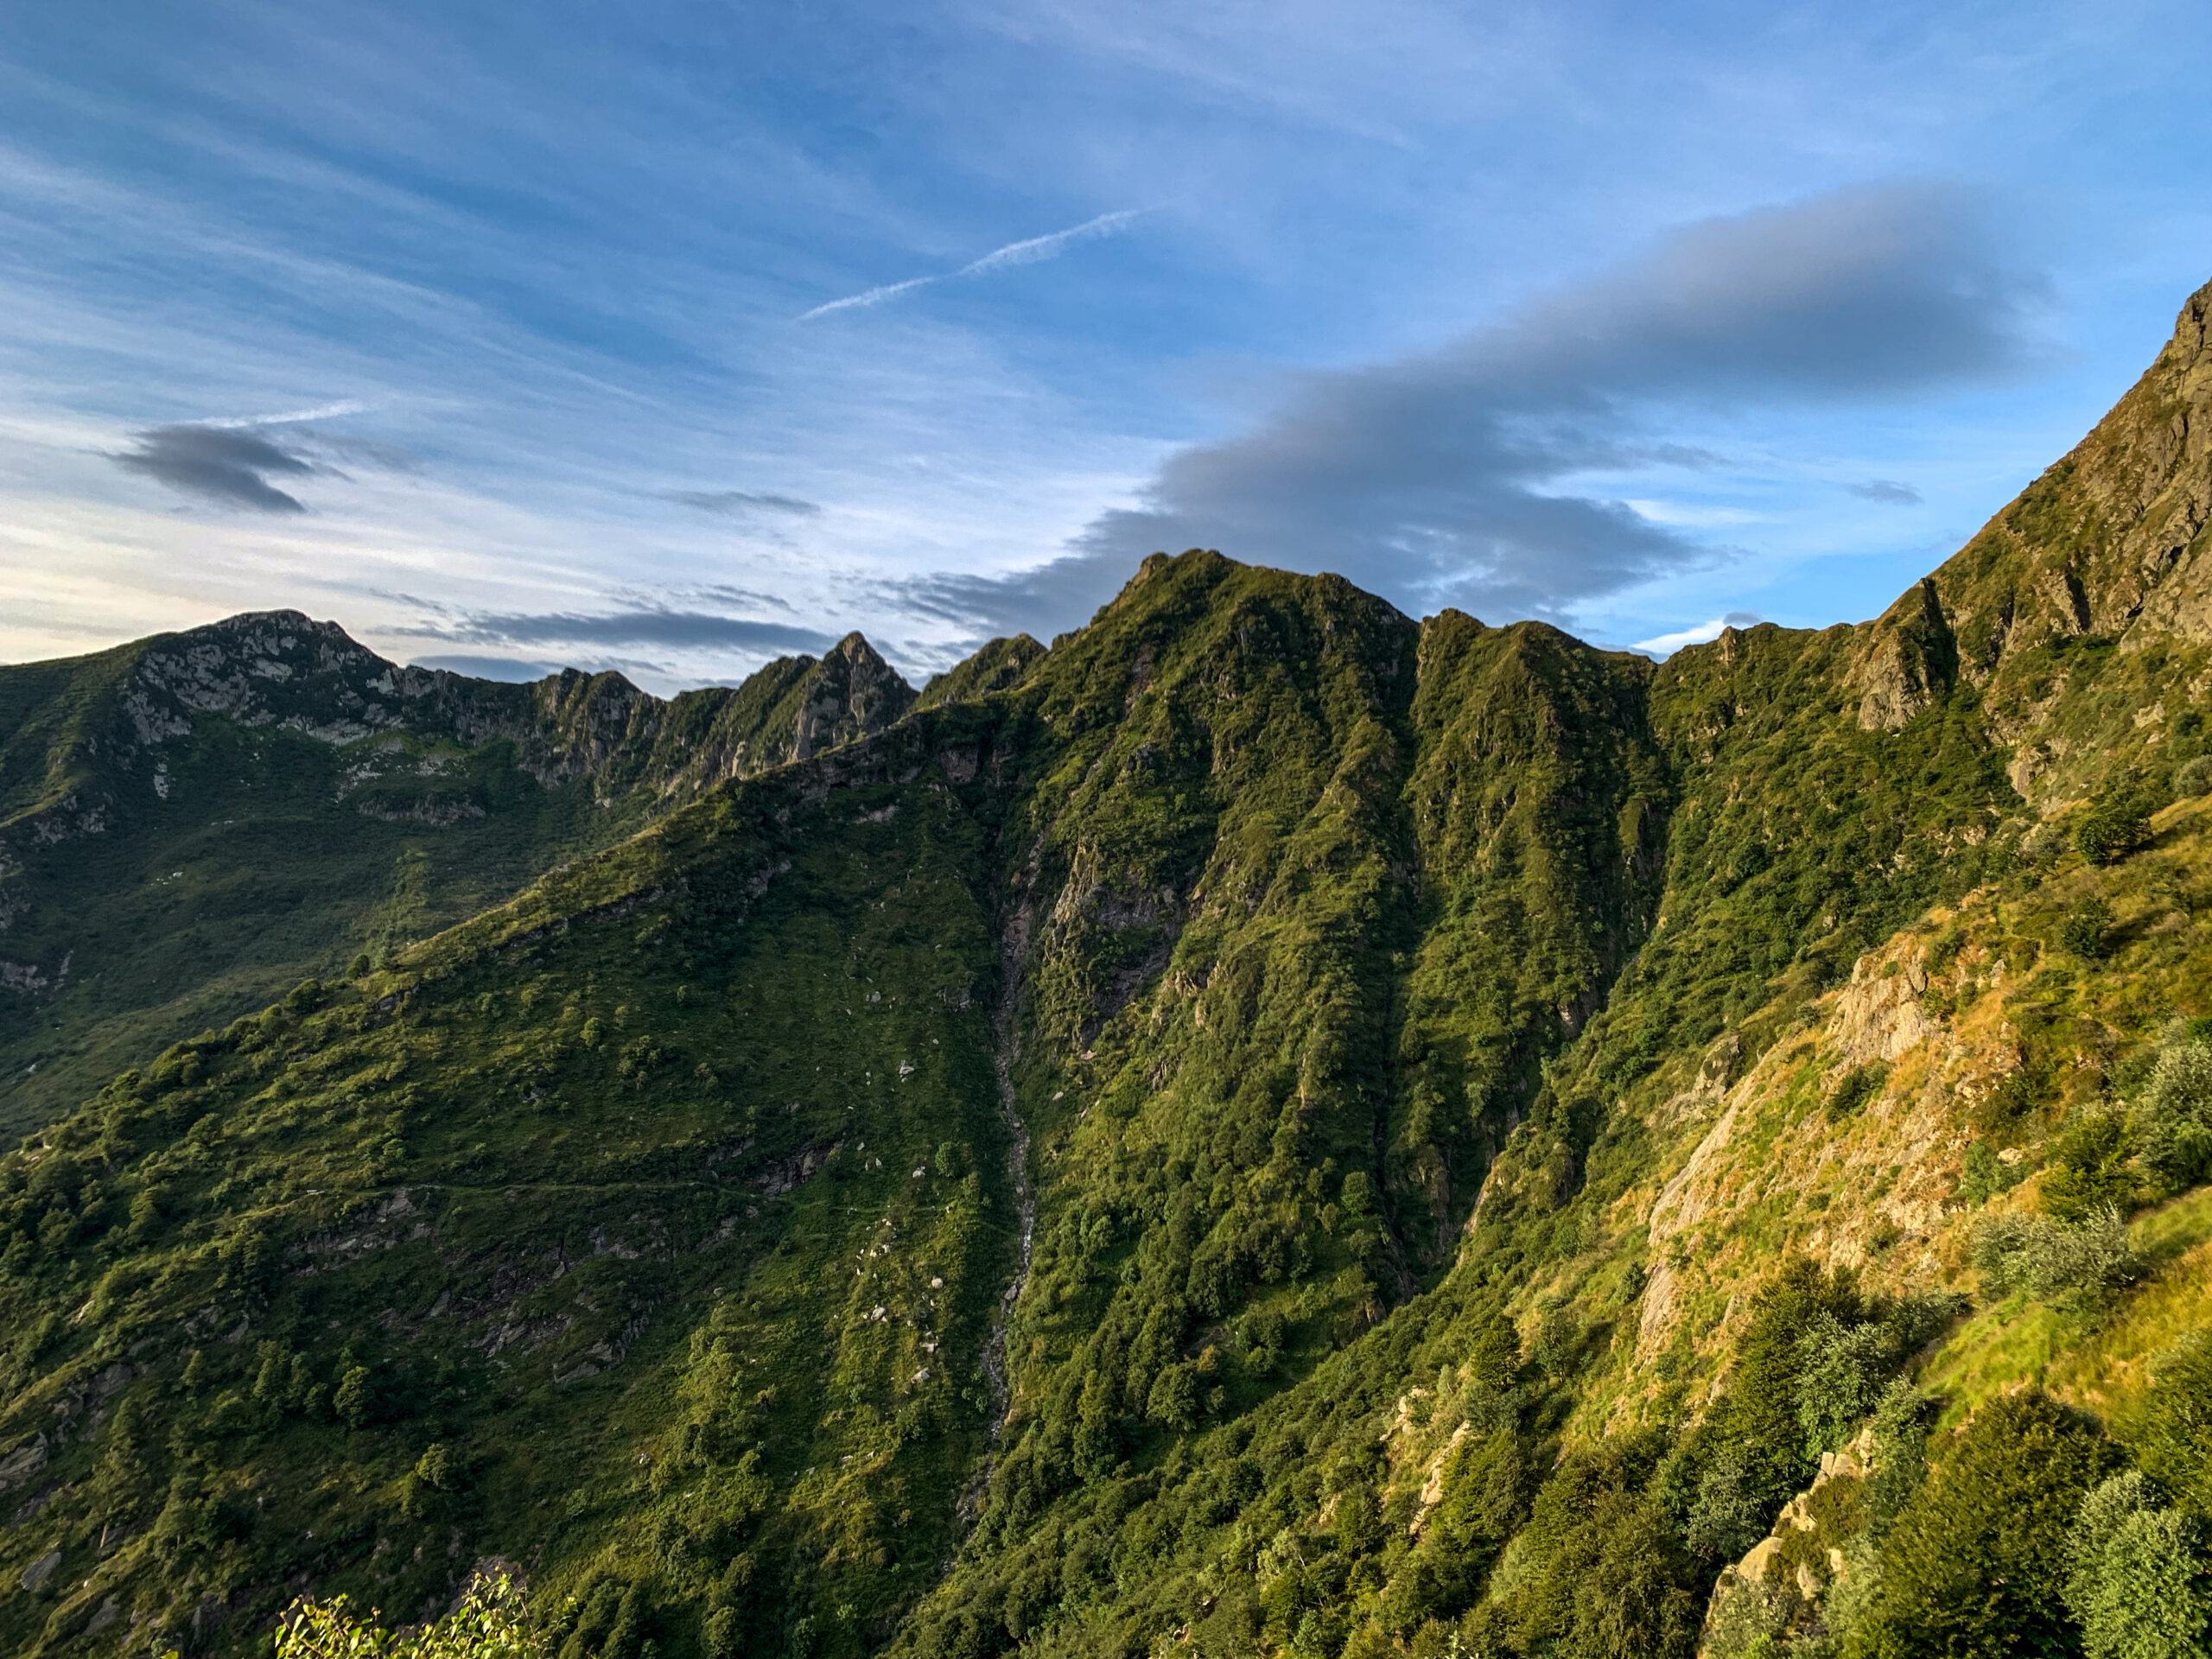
x=673, y=337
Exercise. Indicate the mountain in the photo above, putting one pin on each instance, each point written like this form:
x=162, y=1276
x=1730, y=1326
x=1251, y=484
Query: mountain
x=1266, y=1127
x=191, y=824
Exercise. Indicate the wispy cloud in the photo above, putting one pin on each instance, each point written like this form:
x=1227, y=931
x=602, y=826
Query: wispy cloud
x=743, y=504
x=290, y=418
x=1026, y=252
x=1666, y=645
x=1887, y=490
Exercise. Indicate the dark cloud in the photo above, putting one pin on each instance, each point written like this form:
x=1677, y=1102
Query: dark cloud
x=488, y=668
x=1888, y=490
x=1449, y=477
x=643, y=625
x=742, y=504
x=226, y=464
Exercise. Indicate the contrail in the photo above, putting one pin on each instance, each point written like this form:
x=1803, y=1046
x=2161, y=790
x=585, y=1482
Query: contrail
x=1026, y=252
x=320, y=412
x=874, y=296
x=1045, y=247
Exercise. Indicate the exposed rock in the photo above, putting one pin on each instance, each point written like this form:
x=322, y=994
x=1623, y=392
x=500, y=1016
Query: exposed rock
x=23, y=1463
x=1878, y=1015
x=35, y=1575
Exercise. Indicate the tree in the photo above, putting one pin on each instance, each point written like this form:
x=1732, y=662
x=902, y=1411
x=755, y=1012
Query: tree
x=2116, y=825
x=2175, y=1118
x=2135, y=1576
x=354, y=1399
x=1975, y=1564
x=2172, y=1431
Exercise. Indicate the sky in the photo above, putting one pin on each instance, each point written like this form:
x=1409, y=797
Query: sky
x=671, y=338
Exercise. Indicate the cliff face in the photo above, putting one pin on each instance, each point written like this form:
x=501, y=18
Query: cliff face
x=2049, y=610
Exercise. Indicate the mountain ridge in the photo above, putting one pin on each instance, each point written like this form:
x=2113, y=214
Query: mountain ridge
x=129, y=772
x=1269, y=1126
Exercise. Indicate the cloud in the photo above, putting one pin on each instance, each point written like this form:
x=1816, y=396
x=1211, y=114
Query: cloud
x=294, y=418
x=1456, y=476
x=1051, y=246
x=1668, y=643
x=1888, y=490
x=219, y=463
x=1027, y=252
x=506, y=669
x=645, y=625
x=743, y=504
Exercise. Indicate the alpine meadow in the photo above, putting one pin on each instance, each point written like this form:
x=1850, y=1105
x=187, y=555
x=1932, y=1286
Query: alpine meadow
x=1263, y=1128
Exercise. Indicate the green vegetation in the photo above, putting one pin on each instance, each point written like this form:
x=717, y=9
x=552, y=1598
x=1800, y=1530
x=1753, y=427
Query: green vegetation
x=191, y=824
x=493, y=1621
x=1268, y=1128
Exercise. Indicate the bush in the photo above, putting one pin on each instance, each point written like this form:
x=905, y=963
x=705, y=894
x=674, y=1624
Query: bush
x=2135, y=1576
x=2084, y=1264
x=2087, y=931
x=2195, y=776
x=1843, y=1369
x=493, y=1622
x=2174, y=1119
x=1983, y=1174
x=2088, y=1172
x=2116, y=825
x=1858, y=1086
x=1903, y=1418
x=2171, y=1430
x=1975, y=1564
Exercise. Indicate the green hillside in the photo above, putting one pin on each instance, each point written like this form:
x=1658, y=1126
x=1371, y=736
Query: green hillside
x=1268, y=1128
x=191, y=824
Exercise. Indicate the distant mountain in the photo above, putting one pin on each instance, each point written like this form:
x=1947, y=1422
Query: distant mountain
x=1268, y=1127
x=191, y=823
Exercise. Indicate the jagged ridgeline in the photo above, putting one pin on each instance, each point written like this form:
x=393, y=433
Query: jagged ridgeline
x=191, y=824
x=1266, y=1128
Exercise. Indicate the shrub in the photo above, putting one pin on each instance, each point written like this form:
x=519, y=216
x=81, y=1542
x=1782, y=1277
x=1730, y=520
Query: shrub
x=2174, y=1119
x=2135, y=1576
x=1842, y=1369
x=2116, y=825
x=1983, y=1174
x=1858, y=1086
x=493, y=1622
x=1976, y=1563
x=2050, y=1261
x=1902, y=1418
x=2087, y=930
x=2088, y=1172
x=2195, y=776
x=2171, y=1430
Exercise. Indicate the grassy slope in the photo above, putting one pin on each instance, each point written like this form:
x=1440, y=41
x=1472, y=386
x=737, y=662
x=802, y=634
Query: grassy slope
x=553, y=1198
x=1424, y=1039
x=189, y=879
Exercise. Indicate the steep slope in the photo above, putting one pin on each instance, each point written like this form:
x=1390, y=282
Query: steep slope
x=1268, y=1128
x=191, y=824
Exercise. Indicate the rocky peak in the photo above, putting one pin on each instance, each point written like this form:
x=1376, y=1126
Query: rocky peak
x=2107, y=554
x=853, y=693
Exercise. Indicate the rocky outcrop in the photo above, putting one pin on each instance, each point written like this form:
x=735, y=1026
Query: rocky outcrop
x=282, y=669
x=854, y=693
x=1913, y=659
x=1789, y=1573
